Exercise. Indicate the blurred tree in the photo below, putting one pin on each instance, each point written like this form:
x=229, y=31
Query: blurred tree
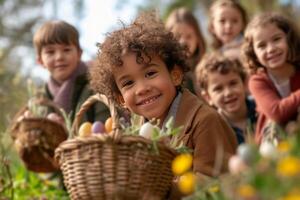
x=17, y=19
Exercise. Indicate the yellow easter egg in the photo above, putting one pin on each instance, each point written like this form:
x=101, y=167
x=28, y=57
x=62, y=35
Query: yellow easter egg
x=182, y=163
x=85, y=129
x=187, y=183
x=108, y=125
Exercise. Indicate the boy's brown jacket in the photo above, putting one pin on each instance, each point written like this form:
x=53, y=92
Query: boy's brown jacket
x=206, y=133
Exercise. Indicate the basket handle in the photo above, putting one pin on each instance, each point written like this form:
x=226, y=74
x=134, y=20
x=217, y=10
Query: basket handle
x=91, y=100
x=51, y=104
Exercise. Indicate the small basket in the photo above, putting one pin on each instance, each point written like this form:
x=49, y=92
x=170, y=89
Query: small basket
x=114, y=166
x=36, y=139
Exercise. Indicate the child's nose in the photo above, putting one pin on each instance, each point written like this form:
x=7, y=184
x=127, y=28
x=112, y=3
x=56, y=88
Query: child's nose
x=270, y=47
x=142, y=88
x=227, y=91
x=59, y=55
x=228, y=26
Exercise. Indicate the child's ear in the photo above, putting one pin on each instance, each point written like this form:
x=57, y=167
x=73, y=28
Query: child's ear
x=206, y=97
x=121, y=101
x=40, y=61
x=177, y=75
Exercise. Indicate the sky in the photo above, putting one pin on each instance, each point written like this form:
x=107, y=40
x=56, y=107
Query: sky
x=99, y=17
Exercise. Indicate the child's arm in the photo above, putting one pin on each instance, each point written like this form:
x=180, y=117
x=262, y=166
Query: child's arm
x=214, y=142
x=270, y=103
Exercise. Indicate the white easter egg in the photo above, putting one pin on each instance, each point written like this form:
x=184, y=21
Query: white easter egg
x=267, y=149
x=146, y=130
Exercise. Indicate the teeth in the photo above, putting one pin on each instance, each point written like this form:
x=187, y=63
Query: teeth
x=148, y=101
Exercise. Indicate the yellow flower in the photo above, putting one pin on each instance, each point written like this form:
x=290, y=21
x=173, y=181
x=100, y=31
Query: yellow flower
x=294, y=194
x=214, y=189
x=182, y=163
x=246, y=191
x=284, y=146
x=187, y=183
x=288, y=166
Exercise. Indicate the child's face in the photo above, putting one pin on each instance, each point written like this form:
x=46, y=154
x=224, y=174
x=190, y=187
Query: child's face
x=187, y=36
x=147, y=90
x=227, y=23
x=227, y=92
x=60, y=60
x=270, y=47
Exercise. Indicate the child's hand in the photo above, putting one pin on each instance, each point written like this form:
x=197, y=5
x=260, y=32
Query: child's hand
x=26, y=114
x=55, y=117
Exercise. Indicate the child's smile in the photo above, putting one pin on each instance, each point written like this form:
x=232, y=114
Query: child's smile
x=227, y=92
x=270, y=47
x=147, y=89
x=60, y=59
x=148, y=101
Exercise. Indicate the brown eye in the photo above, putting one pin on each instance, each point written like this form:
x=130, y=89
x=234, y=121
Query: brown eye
x=127, y=84
x=150, y=74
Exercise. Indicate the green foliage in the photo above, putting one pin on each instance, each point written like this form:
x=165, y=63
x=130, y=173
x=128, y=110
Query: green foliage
x=17, y=183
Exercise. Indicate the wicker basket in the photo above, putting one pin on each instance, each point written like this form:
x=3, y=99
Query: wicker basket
x=36, y=138
x=114, y=166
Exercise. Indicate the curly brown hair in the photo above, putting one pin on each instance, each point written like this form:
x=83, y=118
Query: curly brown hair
x=145, y=37
x=293, y=39
x=216, y=44
x=216, y=62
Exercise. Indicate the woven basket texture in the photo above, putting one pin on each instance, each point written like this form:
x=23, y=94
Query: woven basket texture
x=36, y=139
x=114, y=166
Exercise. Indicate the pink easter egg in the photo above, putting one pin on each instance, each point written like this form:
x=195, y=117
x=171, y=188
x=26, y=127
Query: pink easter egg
x=98, y=127
x=236, y=165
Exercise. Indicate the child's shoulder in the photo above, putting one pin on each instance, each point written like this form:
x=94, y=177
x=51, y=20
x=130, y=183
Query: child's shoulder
x=193, y=106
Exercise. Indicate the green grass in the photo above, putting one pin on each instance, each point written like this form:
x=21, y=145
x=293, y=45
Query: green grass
x=17, y=183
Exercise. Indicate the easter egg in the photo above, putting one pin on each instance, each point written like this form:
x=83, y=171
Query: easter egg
x=182, y=163
x=267, y=149
x=187, y=183
x=236, y=165
x=146, y=130
x=246, y=153
x=108, y=125
x=85, y=129
x=98, y=127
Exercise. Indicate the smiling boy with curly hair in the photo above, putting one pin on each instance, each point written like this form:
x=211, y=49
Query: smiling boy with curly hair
x=141, y=66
